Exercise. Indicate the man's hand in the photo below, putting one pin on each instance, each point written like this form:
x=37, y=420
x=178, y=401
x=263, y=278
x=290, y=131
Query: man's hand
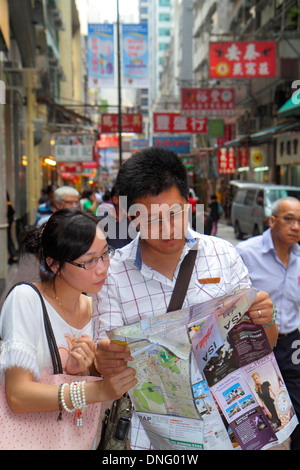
x=261, y=311
x=111, y=358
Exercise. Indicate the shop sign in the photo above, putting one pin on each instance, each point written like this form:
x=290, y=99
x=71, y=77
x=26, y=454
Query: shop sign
x=242, y=59
x=70, y=167
x=226, y=160
x=243, y=157
x=107, y=141
x=180, y=145
x=175, y=122
x=131, y=122
x=257, y=157
x=210, y=102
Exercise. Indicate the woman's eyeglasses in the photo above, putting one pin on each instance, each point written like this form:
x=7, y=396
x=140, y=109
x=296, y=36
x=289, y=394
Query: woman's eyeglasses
x=92, y=263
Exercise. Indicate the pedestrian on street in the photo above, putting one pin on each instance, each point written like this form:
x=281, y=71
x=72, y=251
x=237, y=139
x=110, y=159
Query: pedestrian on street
x=273, y=261
x=142, y=275
x=63, y=197
x=215, y=211
x=74, y=253
x=46, y=208
x=10, y=212
x=114, y=221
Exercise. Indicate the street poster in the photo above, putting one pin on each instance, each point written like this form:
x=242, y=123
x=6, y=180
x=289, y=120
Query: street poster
x=207, y=378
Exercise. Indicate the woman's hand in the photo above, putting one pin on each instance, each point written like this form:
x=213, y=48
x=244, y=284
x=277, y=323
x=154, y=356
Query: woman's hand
x=81, y=357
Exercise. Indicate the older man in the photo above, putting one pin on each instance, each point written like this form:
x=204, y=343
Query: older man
x=64, y=197
x=273, y=261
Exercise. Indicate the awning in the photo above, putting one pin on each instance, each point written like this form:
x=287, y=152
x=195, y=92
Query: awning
x=263, y=136
x=267, y=134
x=240, y=140
x=289, y=108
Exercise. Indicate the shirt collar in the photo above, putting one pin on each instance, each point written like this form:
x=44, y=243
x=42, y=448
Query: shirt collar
x=190, y=242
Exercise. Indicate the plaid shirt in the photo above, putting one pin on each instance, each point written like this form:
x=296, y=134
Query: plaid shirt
x=134, y=291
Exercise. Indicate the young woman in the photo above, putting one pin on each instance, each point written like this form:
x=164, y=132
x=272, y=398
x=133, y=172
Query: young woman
x=74, y=258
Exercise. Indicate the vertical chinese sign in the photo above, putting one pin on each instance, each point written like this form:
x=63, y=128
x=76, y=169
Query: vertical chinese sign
x=135, y=53
x=242, y=59
x=101, y=55
x=227, y=163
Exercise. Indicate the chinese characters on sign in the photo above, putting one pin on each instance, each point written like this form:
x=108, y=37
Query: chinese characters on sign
x=242, y=59
x=227, y=161
x=243, y=156
x=174, y=123
x=207, y=102
x=175, y=144
x=130, y=123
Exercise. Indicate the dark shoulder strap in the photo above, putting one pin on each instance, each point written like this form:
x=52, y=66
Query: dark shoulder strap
x=55, y=356
x=182, y=281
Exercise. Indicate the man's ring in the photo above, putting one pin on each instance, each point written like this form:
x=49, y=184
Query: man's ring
x=259, y=312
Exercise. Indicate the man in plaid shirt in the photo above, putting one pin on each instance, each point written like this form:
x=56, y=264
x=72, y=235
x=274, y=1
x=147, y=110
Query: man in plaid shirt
x=142, y=275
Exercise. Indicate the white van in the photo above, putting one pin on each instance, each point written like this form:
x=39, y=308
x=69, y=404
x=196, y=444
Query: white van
x=251, y=205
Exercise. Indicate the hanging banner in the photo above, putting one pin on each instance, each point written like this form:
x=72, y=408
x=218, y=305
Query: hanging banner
x=210, y=102
x=227, y=163
x=242, y=59
x=135, y=53
x=174, y=123
x=131, y=122
x=100, y=50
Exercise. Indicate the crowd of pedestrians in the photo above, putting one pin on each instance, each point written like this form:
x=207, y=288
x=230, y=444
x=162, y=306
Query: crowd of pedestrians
x=130, y=275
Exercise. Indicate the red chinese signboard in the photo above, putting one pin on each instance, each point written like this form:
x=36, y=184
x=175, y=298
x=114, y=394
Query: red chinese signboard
x=218, y=102
x=174, y=123
x=130, y=123
x=243, y=156
x=70, y=167
x=227, y=161
x=242, y=59
x=107, y=141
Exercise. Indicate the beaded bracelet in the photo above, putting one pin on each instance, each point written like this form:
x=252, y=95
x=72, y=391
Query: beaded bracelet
x=273, y=319
x=77, y=395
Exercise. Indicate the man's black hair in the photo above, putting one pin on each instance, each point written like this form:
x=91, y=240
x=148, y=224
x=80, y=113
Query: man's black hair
x=150, y=172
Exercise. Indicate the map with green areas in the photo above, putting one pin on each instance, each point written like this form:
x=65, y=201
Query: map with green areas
x=163, y=383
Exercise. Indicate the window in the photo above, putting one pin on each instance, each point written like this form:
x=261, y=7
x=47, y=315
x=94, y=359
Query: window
x=250, y=197
x=163, y=46
x=164, y=3
x=164, y=32
x=164, y=17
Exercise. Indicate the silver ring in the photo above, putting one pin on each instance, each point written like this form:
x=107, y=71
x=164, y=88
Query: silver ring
x=259, y=312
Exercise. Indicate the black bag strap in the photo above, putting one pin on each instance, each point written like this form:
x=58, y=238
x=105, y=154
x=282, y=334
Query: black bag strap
x=182, y=281
x=55, y=356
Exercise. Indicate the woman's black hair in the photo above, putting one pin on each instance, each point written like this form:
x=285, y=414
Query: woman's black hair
x=67, y=235
x=151, y=171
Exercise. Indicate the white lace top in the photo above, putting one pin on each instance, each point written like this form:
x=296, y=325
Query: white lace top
x=23, y=338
